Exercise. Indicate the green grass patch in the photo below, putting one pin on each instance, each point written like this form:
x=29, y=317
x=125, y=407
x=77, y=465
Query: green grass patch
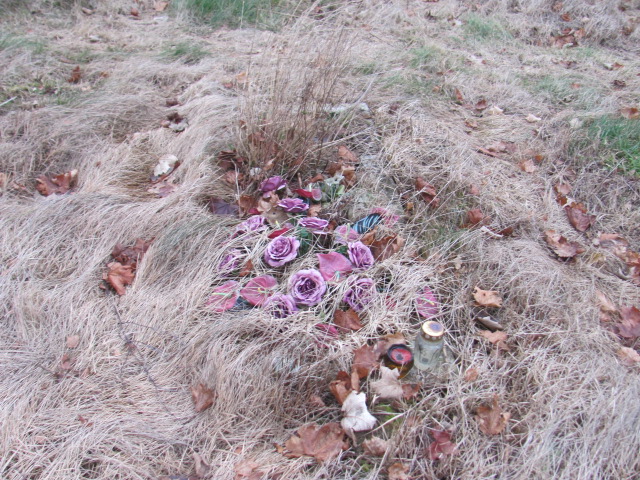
x=232, y=13
x=16, y=42
x=619, y=140
x=564, y=89
x=481, y=28
x=188, y=53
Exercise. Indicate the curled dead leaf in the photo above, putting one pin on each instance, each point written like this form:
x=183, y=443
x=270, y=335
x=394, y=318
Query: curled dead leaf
x=341, y=387
x=630, y=113
x=398, y=471
x=628, y=356
x=347, y=321
x=499, y=339
x=442, y=445
x=365, y=359
x=118, y=276
x=629, y=327
x=388, y=386
x=427, y=192
x=487, y=298
x=375, y=446
x=471, y=375
x=578, y=216
x=322, y=443
x=202, y=396
x=58, y=184
x=491, y=419
x=73, y=341
x=562, y=247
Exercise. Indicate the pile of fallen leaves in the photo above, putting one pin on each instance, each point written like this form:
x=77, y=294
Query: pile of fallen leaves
x=122, y=270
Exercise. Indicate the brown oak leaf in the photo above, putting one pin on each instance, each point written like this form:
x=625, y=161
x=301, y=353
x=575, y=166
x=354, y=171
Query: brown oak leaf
x=365, y=359
x=491, y=419
x=442, y=445
x=630, y=113
x=346, y=156
x=499, y=339
x=471, y=375
x=247, y=470
x=202, y=396
x=578, y=216
x=375, y=446
x=131, y=255
x=628, y=356
x=398, y=471
x=341, y=387
x=487, y=298
x=58, y=184
x=562, y=247
x=119, y=276
x=322, y=443
x=629, y=327
x=386, y=247
x=427, y=192
x=76, y=75
x=346, y=321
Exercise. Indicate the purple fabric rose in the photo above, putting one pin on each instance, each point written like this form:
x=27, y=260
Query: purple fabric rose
x=360, y=256
x=281, y=250
x=360, y=293
x=272, y=184
x=345, y=234
x=314, y=224
x=230, y=262
x=307, y=287
x=293, y=205
x=280, y=305
x=255, y=223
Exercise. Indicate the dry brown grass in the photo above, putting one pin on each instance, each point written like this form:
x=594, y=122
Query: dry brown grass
x=125, y=412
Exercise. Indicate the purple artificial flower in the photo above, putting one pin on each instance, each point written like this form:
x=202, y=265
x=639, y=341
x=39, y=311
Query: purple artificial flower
x=307, y=287
x=280, y=305
x=293, y=205
x=360, y=293
x=360, y=255
x=281, y=250
x=272, y=184
x=345, y=234
x=230, y=262
x=314, y=224
x=255, y=223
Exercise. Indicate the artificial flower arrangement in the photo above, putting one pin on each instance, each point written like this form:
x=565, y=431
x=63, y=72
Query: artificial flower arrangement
x=348, y=260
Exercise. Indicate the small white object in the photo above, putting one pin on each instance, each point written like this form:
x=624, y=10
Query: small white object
x=575, y=123
x=495, y=110
x=531, y=118
x=165, y=165
x=356, y=416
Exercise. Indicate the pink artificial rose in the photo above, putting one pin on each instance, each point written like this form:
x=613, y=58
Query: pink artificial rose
x=360, y=293
x=293, y=205
x=360, y=255
x=281, y=250
x=314, y=225
x=307, y=287
x=280, y=305
x=223, y=297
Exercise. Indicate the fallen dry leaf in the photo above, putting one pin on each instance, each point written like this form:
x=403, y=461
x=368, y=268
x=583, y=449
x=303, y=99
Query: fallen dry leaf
x=73, y=341
x=76, y=75
x=562, y=247
x=630, y=113
x=604, y=303
x=487, y=298
x=201, y=467
x=57, y=184
x=563, y=188
x=383, y=344
x=134, y=12
x=365, y=359
x=202, y=397
x=119, y=276
x=628, y=356
x=386, y=247
x=491, y=419
x=131, y=255
x=322, y=443
x=495, y=110
x=475, y=216
x=341, y=387
x=375, y=446
x=629, y=327
x=471, y=375
x=356, y=415
x=247, y=470
x=347, y=321
x=499, y=339
x=442, y=445
x=160, y=6
x=388, y=386
x=528, y=166
x=163, y=188
x=398, y=471
x=481, y=105
x=531, y=118
x=220, y=207
x=427, y=192
x=410, y=390
x=578, y=216
x=347, y=156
